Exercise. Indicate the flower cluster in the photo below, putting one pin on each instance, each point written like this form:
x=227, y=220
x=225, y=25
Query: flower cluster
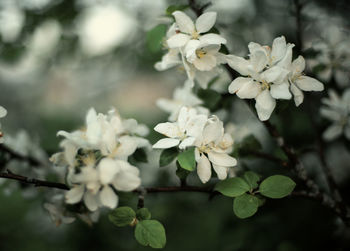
x=271, y=74
x=190, y=44
x=3, y=113
x=206, y=135
x=97, y=159
x=337, y=110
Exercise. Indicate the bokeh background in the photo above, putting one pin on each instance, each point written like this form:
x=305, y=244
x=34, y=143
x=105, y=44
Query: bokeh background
x=58, y=58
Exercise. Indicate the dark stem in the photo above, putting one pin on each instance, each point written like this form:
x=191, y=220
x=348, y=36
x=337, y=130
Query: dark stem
x=35, y=182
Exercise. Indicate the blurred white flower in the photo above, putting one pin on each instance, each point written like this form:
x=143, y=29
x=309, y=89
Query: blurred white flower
x=182, y=96
x=11, y=22
x=3, y=113
x=337, y=110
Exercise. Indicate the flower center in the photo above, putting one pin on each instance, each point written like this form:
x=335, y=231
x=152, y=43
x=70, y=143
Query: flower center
x=195, y=35
x=264, y=85
x=200, y=53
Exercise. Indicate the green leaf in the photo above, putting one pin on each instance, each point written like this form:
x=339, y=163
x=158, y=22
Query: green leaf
x=232, y=187
x=249, y=144
x=155, y=38
x=252, y=179
x=150, y=233
x=180, y=172
x=167, y=156
x=245, y=206
x=169, y=11
x=143, y=214
x=277, y=186
x=139, y=156
x=122, y=216
x=186, y=159
x=210, y=98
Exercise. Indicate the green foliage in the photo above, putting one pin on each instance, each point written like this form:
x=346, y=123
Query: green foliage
x=277, y=186
x=232, y=187
x=155, y=38
x=150, y=233
x=167, y=156
x=186, y=159
x=245, y=206
x=122, y=216
x=143, y=214
x=181, y=173
x=209, y=97
x=139, y=156
x=169, y=11
x=252, y=179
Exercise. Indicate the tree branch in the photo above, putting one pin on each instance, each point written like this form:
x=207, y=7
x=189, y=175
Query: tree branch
x=35, y=182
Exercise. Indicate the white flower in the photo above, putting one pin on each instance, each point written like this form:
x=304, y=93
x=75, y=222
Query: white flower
x=189, y=31
x=3, y=113
x=300, y=82
x=266, y=77
x=182, y=96
x=94, y=185
x=183, y=132
x=338, y=111
x=212, y=149
x=57, y=210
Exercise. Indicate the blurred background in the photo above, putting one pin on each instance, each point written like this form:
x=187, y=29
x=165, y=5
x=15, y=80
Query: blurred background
x=58, y=58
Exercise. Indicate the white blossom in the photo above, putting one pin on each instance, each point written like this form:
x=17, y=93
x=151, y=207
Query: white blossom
x=182, y=96
x=3, y=113
x=337, y=110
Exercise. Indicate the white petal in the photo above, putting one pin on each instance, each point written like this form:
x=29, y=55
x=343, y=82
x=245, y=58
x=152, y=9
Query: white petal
x=286, y=61
x=178, y=40
x=187, y=142
x=168, y=129
x=264, y=105
x=330, y=114
x=195, y=125
x=249, y=90
x=75, y=194
x=127, y=146
x=239, y=64
x=91, y=201
x=190, y=50
x=213, y=131
x=298, y=94
x=212, y=38
x=126, y=181
x=298, y=65
x=91, y=116
x=222, y=159
x=108, y=198
x=275, y=74
x=204, y=169
x=205, y=21
x=205, y=63
x=107, y=169
x=166, y=143
x=332, y=132
x=280, y=91
x=238, y=83
x=184, y=22
x=279, y=48
x=221, y=171
x=306, y=83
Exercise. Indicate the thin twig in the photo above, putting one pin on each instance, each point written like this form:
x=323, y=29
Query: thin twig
x=35, y=182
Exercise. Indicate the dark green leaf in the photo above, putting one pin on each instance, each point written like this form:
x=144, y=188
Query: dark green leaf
x=167, y=156
x=155, y=38
x=186, y=159
x=245, y=206
x=277, y=186
x=252, y=179
x=143, y=214
x=140, y=155
x=150, y=233
x=122, y=216
x=180, y=172
x=210, y=98
x=232, y=187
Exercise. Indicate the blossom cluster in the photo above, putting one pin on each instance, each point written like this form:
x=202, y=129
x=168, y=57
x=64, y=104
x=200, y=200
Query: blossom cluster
x=337, y=110
x=206, y=135
x=270, y=74
x=97, y=159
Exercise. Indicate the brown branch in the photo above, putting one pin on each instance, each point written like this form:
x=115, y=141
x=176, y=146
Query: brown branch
x=35, y=182
x=14, y=155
